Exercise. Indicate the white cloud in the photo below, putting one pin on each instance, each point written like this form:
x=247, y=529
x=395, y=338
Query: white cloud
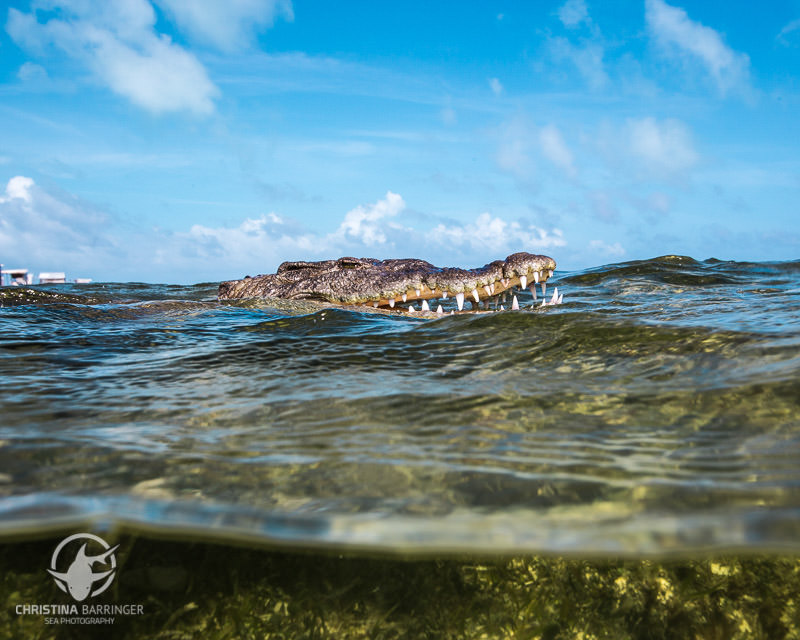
x=369, y=224
x=789, y=32
x=520, y=142
x=49, y=230
x=117, y=41
x=555, y=149
x=588, y=59
x=229, y=25
x=243, y=246
x=514, y=148
x=159, y=76
x=666, y=147
x=676, y=32
x=30, y=71
x=573, y=13
x=377, y=229
x=339, y=148
x=512, y=156
x=497, y=235
x=46, y=230
x=18, y=188
x=496, y=86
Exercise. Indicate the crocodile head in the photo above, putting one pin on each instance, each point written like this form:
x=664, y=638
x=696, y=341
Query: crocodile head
x=400, y=283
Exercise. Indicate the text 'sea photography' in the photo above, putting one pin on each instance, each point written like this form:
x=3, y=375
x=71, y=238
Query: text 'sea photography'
x=399, y=320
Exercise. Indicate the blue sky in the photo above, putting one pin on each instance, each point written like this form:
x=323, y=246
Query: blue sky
x=188, y=141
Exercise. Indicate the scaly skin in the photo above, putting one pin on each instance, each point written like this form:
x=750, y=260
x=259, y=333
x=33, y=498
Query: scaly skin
x=386, y=283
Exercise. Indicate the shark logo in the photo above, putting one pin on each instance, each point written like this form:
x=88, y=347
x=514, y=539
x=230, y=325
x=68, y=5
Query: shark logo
x=80, y=577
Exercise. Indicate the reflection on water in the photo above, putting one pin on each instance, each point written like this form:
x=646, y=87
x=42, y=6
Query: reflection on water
x=656, y=410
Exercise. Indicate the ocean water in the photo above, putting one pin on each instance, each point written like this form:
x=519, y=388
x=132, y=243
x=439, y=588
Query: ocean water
x=656, y=411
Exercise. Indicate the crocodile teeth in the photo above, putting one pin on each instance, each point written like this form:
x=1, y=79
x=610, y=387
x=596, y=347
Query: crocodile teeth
x=536, y=277
x=440, y=311
x=551, y=272
x=391, y=303
x=491, y=288
x=514, y=304
x=533, y=292
x=544, y=289
x=475, y=295
x=486, y=305
x=502, y=308
x=418, y=292
x=488, y=290
x=444, y=295
x=425, y=306
x=460, y=300
x=523, y=281
x=375, y=304
x=411, y=309
x=405, y=297
x=557, y=298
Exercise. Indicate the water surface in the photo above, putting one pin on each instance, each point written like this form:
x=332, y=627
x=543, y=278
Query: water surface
x=656, y=411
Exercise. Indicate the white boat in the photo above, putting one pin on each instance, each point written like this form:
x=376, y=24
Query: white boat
x=16, y=277
x=52, y=277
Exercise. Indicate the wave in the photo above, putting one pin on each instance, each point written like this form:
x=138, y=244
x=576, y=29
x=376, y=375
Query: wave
x=654, y=411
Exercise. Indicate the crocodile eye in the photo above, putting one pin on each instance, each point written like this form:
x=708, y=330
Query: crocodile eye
x=350, y=263
x=295, y=266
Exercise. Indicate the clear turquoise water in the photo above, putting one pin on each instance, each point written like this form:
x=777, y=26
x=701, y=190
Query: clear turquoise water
x=656, y=411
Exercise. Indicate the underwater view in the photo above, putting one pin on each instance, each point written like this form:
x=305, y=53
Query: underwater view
x=641, y=430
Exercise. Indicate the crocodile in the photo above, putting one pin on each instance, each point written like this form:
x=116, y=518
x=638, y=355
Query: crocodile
x=393, y=283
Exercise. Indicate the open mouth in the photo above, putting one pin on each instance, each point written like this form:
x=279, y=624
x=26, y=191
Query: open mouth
x=497, y=292
x=410, y=285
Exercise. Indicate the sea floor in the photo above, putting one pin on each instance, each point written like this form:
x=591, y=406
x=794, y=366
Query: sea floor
x=192, y=589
